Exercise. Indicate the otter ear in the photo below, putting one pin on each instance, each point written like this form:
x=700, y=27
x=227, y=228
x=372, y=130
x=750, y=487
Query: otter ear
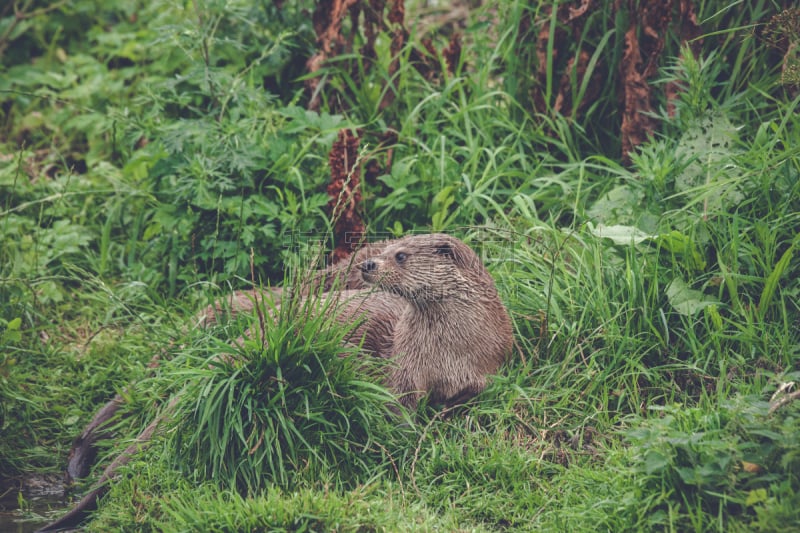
x=444, y=248
x=454, y=253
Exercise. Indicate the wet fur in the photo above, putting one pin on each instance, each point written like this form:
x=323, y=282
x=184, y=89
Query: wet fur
x=424, y=301
x=453, y=330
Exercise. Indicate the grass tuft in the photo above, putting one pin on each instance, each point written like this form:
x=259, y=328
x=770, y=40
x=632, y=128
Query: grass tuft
x=289, y=405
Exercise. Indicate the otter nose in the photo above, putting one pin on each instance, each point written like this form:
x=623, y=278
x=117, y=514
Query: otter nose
x=368, y=266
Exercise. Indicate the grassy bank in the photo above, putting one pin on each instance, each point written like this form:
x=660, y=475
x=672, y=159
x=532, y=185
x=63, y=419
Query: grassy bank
x=153, y=157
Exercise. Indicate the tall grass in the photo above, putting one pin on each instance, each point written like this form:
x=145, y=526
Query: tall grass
x=287, y=407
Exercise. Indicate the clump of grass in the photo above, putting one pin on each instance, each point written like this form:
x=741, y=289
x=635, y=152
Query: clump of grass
x=290, y=404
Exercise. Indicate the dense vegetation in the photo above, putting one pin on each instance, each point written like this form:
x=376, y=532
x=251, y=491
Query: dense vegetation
x=155, y=155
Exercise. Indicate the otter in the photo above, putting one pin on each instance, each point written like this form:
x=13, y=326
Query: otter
x=449, y=328
x=339, y=276
x=424, y=301
x=427, y=303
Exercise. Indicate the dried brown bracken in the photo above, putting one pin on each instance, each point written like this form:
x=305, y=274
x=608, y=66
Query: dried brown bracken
x=567, y=30
x=397, y=13
x=345, y=194
x=644, y=41
x=379, y=16
x=327, y=20
x=335, y=37
x=689, y=32
x=452, y=54
x=782, y=33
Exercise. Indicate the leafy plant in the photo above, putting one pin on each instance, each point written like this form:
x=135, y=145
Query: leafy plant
x=718, y=463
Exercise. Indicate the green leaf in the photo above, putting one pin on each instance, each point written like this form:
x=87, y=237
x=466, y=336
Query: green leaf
x=756, y=496
x=441, y=206
x=12, y=332
x=621, y=234
x=687, y=301
x=772, y=281
x=710, y=175
x=655, y=461
x=689, y=475
x=682, y=245
x=712, y=313
x=617, y=205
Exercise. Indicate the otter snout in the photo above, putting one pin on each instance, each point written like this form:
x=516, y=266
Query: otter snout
x=369, y=271
x=368, y=266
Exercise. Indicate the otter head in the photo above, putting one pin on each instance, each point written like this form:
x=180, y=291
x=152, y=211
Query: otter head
x=423, y=268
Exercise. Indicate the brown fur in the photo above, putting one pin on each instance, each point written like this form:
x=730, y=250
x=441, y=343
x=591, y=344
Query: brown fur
x=341, y=276
x=452, y=330
x=435, y=313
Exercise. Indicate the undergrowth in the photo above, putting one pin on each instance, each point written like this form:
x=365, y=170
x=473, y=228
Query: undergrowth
x=154, y=157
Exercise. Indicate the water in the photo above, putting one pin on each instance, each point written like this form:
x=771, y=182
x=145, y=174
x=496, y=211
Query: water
x=42, y=502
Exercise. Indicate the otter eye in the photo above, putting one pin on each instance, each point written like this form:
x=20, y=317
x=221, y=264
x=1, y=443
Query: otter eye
x=400, y=257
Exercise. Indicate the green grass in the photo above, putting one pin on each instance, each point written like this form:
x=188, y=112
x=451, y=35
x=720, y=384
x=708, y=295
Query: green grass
x=290, y=399
x=152, y=159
